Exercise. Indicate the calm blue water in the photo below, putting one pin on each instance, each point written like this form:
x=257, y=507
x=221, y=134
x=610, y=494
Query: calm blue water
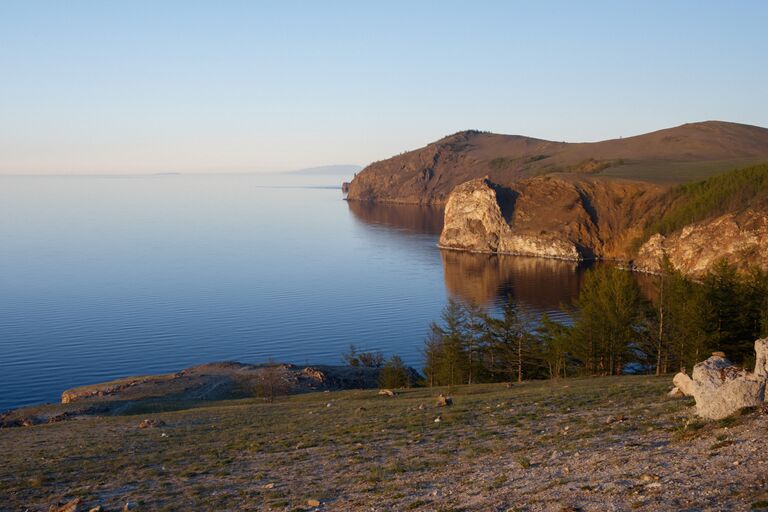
x=103, y=277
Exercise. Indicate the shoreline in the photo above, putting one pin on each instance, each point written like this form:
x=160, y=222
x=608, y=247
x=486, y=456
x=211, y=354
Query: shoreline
x=191, y=387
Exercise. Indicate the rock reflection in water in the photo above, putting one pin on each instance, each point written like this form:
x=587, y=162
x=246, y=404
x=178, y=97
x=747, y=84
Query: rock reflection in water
x=536, y=283
x=406, y=217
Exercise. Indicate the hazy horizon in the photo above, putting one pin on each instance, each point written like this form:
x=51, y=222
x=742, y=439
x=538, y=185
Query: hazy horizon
x=94, y=88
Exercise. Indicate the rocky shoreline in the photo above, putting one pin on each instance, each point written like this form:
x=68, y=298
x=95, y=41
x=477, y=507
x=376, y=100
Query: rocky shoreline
x=190, y=387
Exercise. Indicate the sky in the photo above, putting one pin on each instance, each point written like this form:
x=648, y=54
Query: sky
x=228, y=86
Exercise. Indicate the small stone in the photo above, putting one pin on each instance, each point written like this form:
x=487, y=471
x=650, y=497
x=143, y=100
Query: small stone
x=438, y=419
x=328, y=404
x=313, y=503
x=270, y=485
x=70, y=506
x=386, y=392
x=151, y=423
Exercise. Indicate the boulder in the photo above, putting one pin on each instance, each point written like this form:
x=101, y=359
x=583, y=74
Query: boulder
x=721, y=389
x=684, y=383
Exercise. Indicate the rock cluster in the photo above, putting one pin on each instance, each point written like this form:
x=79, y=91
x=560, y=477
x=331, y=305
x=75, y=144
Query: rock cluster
x=720, y=388
x=740, y=238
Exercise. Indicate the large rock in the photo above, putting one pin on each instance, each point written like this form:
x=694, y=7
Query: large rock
x=474, y=222
x=473, y=219
x=721, y=389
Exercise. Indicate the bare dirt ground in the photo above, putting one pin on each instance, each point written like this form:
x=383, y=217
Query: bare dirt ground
x=603, y=444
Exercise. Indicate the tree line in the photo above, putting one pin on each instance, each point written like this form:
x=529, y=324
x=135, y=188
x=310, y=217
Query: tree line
x=613, y=329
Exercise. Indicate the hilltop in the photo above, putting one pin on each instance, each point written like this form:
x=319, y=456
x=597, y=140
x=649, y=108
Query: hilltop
x=674, y=155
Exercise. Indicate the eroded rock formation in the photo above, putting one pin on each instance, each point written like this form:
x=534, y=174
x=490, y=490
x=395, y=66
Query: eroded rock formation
x=554, y=217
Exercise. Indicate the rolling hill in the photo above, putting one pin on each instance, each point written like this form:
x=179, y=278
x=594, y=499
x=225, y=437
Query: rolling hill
x=670, y=156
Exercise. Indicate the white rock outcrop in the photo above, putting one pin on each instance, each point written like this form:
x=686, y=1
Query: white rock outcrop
x=474, y=222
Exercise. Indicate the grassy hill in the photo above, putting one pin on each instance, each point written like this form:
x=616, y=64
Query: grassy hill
x=674, y=155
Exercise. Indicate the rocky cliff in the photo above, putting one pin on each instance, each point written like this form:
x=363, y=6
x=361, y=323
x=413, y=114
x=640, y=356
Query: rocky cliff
x=587, y=218
x=741, y=238
x=556, y=217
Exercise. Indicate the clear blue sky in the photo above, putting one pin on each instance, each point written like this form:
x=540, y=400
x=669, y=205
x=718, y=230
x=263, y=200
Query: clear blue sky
x=107, y=86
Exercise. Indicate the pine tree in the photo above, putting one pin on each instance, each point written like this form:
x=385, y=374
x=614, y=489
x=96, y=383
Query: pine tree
x=511, y=343
x=608, y=317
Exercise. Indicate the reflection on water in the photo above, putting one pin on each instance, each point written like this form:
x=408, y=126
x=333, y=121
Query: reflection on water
x=426, y=220
x=537, y=283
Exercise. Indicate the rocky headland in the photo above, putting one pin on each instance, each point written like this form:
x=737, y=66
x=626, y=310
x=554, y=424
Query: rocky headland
x=606, y=200
x=551, y=216
x=674, y=155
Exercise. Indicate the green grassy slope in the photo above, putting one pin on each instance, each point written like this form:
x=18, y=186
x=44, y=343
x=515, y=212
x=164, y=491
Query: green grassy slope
x=733, y=191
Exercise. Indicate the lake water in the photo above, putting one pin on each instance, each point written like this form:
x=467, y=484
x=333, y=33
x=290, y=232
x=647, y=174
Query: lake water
x=104, y=277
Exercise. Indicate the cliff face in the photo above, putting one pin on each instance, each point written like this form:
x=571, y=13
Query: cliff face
x=740, y=238
x=585, y=219
x=428, y=175
x=554, y=217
